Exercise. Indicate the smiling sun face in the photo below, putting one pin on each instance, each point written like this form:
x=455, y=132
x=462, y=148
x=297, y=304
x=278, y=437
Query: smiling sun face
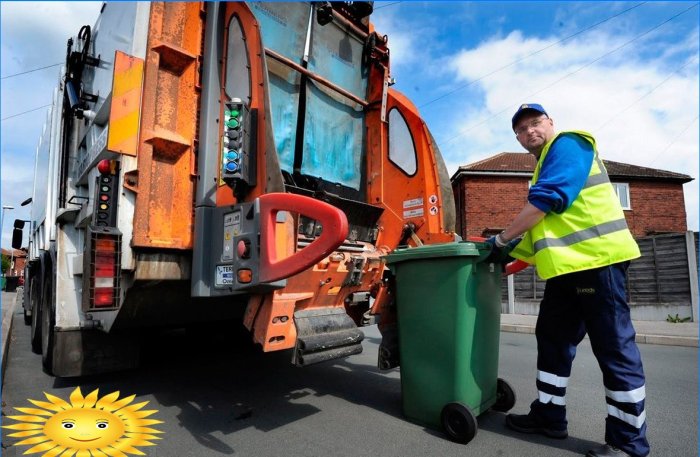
x=87, y=426
x=84, y=428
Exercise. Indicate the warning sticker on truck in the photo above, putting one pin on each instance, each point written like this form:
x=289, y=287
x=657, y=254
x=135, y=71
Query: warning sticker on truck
x=413, y=213
x=224, y=275
x=412, y=203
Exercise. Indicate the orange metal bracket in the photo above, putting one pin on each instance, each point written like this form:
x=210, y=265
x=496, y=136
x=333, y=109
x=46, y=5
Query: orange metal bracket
x=332, y=219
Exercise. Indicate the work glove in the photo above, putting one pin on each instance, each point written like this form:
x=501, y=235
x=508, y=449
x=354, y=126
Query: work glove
x=500, y=252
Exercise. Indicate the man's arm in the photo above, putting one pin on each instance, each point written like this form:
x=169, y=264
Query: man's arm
x=528, y=218
x=563, y=175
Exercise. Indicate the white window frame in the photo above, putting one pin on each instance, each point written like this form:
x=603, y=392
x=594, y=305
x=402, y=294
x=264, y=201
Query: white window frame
x=623, y=187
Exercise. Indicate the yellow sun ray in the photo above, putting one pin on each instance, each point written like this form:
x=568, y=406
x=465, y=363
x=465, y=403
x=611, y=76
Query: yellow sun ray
x=42, y=447
x=83, y=453
x=110, y=451
x=45, y=405
x=150, y=422
x=91, y=399
x=121, y=403
x=54, y=452
x=34, y=411
x=143, y=414
x=69, y=453
x=28, y=418
x=27, y=433
x=61, y=403
x=23, y=426
x=33, y=440
x=76, y=398
x=107, y=400
x=98, y=453
x=139, y=436
x=125, y=446
x=135, y=406
x=145, y=430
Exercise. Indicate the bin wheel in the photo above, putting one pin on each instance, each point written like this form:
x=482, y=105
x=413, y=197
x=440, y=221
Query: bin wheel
x=505, y=396
x=459, y=422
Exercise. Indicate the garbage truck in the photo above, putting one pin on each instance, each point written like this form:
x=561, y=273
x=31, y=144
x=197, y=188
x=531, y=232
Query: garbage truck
x=204, y=162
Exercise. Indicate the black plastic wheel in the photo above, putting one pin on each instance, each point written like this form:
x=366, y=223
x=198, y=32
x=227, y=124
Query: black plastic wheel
x=505, y=396
x=459, y=422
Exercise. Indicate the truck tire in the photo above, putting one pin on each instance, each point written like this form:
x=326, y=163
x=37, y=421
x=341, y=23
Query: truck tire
x=34, y=302
x=48, y=322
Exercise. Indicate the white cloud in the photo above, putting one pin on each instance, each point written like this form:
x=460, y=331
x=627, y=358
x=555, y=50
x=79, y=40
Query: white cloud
x=34, y=34
x=640, y=111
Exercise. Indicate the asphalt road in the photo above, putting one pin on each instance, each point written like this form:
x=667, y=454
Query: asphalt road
x=217, y=398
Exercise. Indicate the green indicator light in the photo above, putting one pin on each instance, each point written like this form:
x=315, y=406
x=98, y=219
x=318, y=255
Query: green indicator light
x=232, y=123
x=233, y=113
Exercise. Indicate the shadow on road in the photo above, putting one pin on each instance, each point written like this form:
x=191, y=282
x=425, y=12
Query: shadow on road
x=221, y=382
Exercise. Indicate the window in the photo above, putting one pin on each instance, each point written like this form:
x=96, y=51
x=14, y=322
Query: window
x=402, y=151
x=623, y=194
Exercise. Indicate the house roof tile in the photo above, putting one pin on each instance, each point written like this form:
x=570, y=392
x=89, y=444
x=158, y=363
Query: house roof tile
x=519, y=162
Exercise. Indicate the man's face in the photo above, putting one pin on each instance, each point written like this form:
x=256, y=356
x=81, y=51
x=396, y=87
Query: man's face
x=533, y=131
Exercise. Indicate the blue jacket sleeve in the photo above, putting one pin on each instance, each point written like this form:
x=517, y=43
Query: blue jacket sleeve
x=563, y=174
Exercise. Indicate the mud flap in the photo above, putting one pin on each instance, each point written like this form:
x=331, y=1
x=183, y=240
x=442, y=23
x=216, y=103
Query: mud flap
x=325, y=334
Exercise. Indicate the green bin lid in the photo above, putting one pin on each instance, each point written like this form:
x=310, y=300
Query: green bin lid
x=428, y=251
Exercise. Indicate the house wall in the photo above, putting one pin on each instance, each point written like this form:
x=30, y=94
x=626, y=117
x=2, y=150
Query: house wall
x=656, y=207
x=491, y=202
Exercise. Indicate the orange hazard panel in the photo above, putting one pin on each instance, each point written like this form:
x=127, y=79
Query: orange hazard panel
x=164, y=182
x=126, y=104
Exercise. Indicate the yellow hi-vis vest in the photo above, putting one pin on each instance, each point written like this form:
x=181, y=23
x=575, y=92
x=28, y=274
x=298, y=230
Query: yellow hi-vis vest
x=591, y=233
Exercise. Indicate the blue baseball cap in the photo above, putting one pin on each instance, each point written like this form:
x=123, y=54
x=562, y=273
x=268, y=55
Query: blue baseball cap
x=528, y=107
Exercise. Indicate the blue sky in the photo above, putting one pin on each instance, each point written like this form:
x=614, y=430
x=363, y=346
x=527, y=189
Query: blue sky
x=625, y=71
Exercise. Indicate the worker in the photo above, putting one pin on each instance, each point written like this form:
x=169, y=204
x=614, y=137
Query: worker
x=574, y=231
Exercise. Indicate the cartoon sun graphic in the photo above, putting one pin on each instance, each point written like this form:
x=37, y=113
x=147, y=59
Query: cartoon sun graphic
x=86, y=427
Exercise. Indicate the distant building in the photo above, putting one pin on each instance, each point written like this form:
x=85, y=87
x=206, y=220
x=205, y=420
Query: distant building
x=491, y=192
x=18, y=261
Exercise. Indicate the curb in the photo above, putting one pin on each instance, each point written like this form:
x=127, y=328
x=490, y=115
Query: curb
x=7, y=317
x=666, y=340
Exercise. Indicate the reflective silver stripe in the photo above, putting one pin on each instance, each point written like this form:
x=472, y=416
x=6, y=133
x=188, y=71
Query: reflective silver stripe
x=594, y=180
x=581, y=235
x=552, y=379
x=601, y=167
x=634, y=421
x=631, y=396
x=549, y=398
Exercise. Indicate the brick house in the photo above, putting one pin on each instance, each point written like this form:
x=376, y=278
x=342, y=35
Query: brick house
x=489, y=194
x=19, y=259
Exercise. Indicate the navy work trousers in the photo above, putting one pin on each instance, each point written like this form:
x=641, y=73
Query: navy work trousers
x=592, y=301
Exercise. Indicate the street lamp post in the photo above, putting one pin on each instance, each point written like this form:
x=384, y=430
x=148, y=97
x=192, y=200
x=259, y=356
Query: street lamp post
x=2, y=222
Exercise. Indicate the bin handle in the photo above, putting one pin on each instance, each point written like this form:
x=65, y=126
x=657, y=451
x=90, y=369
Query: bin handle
x=511, y=267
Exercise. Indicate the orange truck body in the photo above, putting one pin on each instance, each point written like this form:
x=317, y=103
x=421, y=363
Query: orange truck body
x=155, y=137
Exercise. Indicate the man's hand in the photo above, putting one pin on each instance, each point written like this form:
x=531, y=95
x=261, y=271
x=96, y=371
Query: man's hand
x=500, y=249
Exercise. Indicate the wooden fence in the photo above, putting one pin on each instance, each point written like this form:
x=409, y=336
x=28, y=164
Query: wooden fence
x=664, y=280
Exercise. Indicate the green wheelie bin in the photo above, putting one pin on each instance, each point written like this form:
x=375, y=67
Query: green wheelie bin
x=449, y=312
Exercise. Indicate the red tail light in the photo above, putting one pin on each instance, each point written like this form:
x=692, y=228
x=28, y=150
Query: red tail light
x=103, y=258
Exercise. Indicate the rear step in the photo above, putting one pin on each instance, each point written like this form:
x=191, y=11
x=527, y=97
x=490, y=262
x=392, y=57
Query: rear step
x=325, y=334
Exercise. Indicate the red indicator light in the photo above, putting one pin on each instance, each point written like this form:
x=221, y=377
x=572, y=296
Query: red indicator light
x=104, y=198
x=104, y=166
x=104, y=296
